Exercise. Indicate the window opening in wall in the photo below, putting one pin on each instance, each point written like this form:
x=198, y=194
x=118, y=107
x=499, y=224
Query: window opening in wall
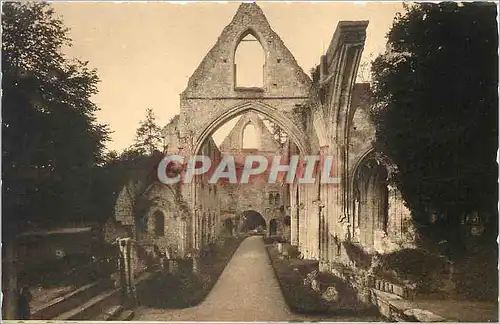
x=273, y=227
x=277, y=199
x=159, y=223
x=250, y=138
x=271, y=199
x=249, y=60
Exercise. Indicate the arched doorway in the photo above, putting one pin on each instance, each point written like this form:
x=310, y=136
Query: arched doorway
x=371, y=200
x=273, y=227
x=206, y=145
x=228, y=227
x=252, y=221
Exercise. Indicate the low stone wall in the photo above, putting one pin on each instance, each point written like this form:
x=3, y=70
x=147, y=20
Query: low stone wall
x=395, y=308
x=393, y=301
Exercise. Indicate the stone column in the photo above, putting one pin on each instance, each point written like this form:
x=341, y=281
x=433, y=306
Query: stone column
x=196, y=242
x=323, y=232
x=293, y=225
x=300, y=225
x=126, y=271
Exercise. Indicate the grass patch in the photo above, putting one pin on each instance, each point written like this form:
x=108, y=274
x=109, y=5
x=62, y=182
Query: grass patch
x=187, y=289
x=303, y=299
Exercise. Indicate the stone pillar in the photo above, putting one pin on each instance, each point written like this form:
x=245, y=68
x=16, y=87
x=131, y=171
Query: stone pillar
x=300, y=225
x=323, y=233
x=196, y=227
x=127, y=271
x=314, y=231
x=294, y=219
x=307, y=223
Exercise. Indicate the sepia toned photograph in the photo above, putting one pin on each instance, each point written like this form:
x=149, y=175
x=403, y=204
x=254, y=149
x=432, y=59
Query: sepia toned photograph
x=249, y=161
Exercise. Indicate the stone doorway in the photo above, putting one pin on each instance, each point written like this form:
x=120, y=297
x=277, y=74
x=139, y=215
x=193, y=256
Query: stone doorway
x=273, y=227
x=252, y=222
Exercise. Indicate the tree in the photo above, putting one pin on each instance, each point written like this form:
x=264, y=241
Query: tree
x=364, y=70
x=279, y=134
x=148, y=138
x=51, y=141
x=128, y=167
x=436, y=109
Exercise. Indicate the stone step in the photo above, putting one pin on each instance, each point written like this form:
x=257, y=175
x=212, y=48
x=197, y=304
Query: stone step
x=92, y=307
x=110, y=313
x=70, y=300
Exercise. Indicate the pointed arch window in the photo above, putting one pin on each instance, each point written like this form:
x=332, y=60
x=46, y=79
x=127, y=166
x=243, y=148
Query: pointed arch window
x=250, y=138
x=249, y=61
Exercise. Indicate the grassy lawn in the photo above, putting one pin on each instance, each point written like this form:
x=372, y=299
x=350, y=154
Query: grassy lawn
x=187, y=289
x=303, y=299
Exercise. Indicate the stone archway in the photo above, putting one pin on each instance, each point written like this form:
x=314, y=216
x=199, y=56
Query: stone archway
x=252, y=220
x=297, y=135
x=371, y=189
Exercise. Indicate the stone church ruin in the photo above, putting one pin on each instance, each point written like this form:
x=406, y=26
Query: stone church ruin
x=327, y=113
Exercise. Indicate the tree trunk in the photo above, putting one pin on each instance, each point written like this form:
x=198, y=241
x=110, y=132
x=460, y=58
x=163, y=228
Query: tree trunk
x=9, y=281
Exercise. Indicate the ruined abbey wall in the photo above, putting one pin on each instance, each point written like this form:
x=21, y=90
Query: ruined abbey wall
x=330, y=116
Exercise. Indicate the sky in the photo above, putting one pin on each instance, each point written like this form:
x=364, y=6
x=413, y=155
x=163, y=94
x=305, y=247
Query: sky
x=144, y=53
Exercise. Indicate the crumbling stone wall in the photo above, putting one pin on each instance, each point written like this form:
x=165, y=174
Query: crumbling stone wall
x=211, y=91
x=207, y=208
x=329, y=116
x=268, y=199
x=363, y=208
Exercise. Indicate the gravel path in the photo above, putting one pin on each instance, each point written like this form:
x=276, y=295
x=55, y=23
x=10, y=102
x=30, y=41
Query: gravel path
x=247, y=290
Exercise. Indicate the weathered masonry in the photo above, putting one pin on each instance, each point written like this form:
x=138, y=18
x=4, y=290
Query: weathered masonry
x=326, y=114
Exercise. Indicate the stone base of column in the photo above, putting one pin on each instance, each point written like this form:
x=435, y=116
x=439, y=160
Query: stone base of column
x=196, y=263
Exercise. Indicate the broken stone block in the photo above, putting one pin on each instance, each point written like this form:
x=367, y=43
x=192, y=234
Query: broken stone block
x=422, y=315
x=315, y=285
x=331, y=294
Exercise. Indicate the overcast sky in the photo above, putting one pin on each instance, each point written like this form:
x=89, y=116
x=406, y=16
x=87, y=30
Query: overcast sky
x=145, y=52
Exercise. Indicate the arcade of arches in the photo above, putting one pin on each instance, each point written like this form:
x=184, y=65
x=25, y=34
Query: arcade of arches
x=328, y=117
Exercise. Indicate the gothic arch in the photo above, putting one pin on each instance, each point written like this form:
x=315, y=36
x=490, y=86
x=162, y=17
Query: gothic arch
x=243, y=67
x=297, y=135
x=258, y=36
x=370, y=178
x=251, y=219
x=369, y=154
